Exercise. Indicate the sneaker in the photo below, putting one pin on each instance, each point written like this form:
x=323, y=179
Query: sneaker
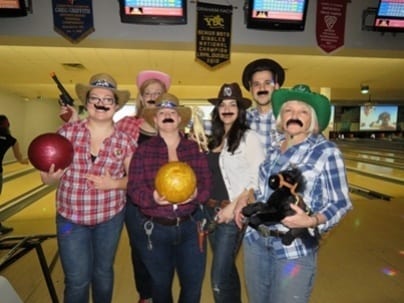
x=5, y=230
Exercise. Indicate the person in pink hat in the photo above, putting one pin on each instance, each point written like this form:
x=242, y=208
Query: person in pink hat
x=151, y=85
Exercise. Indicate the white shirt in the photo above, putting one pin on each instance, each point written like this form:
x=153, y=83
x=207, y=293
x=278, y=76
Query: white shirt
x=240, y=169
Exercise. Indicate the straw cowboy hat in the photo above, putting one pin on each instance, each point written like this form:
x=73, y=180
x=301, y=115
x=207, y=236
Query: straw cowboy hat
x=262, y=65
x=231, y=91
x=153, y=74
x=168, y=101
x=302, y=92
x=102, y=81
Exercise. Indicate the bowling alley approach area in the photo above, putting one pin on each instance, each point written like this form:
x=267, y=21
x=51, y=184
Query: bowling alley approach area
x=360, y=261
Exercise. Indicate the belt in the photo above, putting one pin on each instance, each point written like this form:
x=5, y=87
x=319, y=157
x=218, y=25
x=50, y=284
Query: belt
x=266, y=232
x=217, y=204
x=169, y=221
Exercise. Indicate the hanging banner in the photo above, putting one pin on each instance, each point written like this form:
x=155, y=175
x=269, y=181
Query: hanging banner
x=73, y=19
x=213, y=33
x=330, y=27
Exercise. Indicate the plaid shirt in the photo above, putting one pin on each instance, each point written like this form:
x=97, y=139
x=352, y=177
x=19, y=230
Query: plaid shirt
x=77, y=200
x=326, y=189
x=149, y=157
x=129, y=125
x=265, y=126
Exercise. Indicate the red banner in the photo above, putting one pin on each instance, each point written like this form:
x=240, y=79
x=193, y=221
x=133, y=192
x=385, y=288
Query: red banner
x=330, y=27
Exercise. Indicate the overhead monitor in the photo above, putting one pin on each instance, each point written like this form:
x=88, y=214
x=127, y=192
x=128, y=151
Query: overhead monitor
x=289, y=15
x=13, y=8
x=390, y=16
x=378, y=117
x=153, y=11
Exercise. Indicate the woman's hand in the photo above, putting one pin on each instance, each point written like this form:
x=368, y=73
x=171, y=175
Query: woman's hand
x=52, y=176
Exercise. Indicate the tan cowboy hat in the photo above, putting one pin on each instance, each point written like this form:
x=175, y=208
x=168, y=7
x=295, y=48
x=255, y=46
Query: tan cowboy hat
x=102, y=81
x=168, y=101
x=231, y=91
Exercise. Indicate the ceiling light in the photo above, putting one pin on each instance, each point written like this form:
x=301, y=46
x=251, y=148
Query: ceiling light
x=364, y=89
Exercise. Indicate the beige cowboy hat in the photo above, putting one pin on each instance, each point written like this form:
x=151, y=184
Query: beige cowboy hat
x=102, y=80
x=168, y=101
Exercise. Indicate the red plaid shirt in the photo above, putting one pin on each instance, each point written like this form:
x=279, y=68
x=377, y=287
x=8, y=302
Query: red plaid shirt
x=130, y=125
x=146, y=161
x=77, y=200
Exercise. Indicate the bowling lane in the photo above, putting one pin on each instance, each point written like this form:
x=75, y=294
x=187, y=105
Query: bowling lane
x=383, y=172
x=375, y=184
x=14, y=167
x=18, y=186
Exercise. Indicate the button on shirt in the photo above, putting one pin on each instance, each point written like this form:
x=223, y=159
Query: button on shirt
x=77, y=200
x=326, y=190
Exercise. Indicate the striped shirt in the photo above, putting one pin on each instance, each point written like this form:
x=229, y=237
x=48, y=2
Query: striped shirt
x=149, y=157
x=77, y=200
x=326, y=189
x=265, y=126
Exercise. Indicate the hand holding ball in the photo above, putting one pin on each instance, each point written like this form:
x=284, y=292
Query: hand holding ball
x=48, y=149
x=176, y=181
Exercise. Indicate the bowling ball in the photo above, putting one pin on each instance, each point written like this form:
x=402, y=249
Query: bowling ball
x=176, y=181
x=48, y=149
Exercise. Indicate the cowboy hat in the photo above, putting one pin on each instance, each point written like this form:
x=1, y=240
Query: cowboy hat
x=102, y=81
x=301, y=92
x=153, y=74
x=263, y=65
x=231, y=91
x=168, y=101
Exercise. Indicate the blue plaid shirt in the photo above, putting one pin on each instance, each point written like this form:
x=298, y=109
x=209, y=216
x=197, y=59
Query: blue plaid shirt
x=326, y=190
x=265, y=126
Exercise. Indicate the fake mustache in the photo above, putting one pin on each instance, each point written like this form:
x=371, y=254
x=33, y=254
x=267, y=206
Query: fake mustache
x=168, y=120
x=151, y=102
x=227, y=114
x=294, y=121
x=101, y=107
x=262, y=92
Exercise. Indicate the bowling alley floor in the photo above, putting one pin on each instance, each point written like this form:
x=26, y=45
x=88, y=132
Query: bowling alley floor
x=360, y=261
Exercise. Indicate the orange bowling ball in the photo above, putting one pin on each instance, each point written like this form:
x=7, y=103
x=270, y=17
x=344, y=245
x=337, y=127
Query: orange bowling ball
x=176, y=181
x=50, y=148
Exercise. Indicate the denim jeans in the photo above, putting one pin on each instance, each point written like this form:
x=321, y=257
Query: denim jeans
x=275, y=280
x=170, y=249
x=224, y=274
x=87, y=255
x=142, y=277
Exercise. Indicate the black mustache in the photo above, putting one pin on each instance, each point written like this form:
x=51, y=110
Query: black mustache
x=262, y=92
x=151, y=102
x=100, y=107
x=168, y=120
x=294, y=121
x=228, y=114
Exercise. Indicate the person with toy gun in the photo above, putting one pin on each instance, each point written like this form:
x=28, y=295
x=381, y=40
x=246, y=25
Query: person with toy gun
x=64, y=98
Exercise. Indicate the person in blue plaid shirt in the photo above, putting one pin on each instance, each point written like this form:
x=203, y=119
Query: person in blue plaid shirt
x=261, y=78
x=280, y=273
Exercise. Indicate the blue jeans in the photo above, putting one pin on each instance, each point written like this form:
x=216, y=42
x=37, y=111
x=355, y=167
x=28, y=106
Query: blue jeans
x=224, y=274
x=87, y=255
x=170, y=249
x=270, y=279
x=142, y=277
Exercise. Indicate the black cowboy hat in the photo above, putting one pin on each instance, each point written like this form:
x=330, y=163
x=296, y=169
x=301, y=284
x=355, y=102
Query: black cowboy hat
x=231, y=91
x=261, y=65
